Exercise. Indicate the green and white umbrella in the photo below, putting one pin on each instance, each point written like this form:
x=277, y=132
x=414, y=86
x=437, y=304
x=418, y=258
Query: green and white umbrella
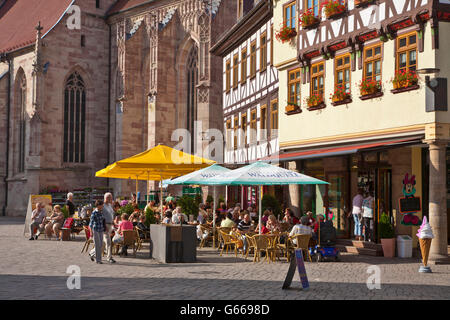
x=262, y=174
x=199, y=177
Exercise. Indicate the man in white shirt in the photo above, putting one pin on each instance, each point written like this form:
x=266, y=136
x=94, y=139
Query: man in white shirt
x=356, y=211
x=178, y=216
x=108, y=214
x=301, y=228
x=37, y=221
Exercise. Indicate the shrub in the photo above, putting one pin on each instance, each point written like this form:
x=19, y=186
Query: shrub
x=269, y=201
x=188, y=206
x=149, y=217
x=128, y=209
x=385, y=227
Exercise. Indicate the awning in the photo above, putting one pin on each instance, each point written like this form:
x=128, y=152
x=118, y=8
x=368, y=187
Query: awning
x=343, y=150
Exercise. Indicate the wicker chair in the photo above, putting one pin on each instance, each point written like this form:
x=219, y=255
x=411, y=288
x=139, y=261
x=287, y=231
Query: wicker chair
x=208, y=231
x=262, y=243
x=129, y=240
x=301, y=242
x=228, y=241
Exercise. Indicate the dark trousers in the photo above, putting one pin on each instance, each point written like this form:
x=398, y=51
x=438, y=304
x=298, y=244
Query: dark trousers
x=368, y=229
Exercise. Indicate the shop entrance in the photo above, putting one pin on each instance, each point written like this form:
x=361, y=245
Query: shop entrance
x=378, y=182
x=336, y=198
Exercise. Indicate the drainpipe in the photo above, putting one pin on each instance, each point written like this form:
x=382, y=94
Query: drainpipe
x=8, y=115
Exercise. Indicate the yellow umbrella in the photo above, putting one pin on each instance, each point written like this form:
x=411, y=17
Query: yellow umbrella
x=158, y=164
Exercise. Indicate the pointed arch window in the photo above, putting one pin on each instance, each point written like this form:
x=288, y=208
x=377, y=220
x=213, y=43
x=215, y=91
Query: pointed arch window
x=192, y=81
x=74, y=119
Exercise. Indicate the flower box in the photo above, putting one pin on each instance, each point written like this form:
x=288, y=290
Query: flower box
x=405, y=89
x=340, y=95
x=334, y=8
x=369, y=87
x=308, y=19
x=315, y=102
x=404, y=79
x=293, y=108
x=285, y=34
x=360, y=3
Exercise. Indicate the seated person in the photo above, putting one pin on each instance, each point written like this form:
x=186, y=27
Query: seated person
x=179, y=217
x=157, y=218
x=167, y=217
x=125, y=224
x=38, y=219
x=301, y=228
x=321, y=218
x=252, y=212
x=134, y=218
x=289, y=217
x=245, y=225
x=266, y=215
x=143, y=229
x=117, y=220
x=272, y=224
x=264, y=230
x=228, y=222
x=311, y=221
x=56, y=221
x=235, y=215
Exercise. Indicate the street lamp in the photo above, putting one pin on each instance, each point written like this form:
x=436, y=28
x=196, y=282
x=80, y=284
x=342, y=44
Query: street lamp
x=436, y=90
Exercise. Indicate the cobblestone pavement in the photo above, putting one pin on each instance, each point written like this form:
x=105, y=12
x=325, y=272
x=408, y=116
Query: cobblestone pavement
x=37, y=270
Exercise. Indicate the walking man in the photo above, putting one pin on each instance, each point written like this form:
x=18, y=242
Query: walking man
x=97, y=225
x=108, y=213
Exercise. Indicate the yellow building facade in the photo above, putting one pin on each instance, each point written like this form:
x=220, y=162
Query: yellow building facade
x=350, y=114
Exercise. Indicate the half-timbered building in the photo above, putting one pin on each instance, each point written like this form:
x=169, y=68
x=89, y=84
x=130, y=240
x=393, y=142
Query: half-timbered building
x=250, y=88
x=363, y=102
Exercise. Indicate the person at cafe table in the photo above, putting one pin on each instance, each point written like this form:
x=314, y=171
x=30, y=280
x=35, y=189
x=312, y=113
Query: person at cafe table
x=37, y=221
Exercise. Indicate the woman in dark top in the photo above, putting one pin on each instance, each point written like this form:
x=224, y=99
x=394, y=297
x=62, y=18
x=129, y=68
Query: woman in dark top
x=70, y=205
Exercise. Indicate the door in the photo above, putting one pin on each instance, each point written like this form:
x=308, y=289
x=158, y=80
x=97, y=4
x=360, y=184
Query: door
x=337, y=202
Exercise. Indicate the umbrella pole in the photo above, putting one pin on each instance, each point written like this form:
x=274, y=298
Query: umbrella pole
x=260, y=207
x=161, y=201
x=214, y=219
x=148, y=188
x=136, y=188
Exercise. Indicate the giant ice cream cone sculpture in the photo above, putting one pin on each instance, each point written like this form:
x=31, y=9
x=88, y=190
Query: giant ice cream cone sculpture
x=425, y=235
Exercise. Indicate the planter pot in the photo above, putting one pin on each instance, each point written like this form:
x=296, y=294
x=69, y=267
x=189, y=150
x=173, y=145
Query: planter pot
x=388, y=247
x=369, y=91
x=335, y=14
x=363, y=2
x=314, y=22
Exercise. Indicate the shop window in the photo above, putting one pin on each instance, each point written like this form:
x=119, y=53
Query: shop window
x=253, y=59
x=317, y=79
x=263, y=53
x=294, y=87
x=407, y=52
x=244, y=66
x=227, y=76
x=342, y=72
x=290, y=15
x=372, y=63
x=235, y=71
x=253, y=126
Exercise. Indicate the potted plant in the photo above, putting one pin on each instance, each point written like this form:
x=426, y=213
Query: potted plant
x=404, y=79
x=333, y=8
x=387, y=236
x=308, y=19
x=339, y=94
x=285, y=33
x=314, y=100
x=369, y=86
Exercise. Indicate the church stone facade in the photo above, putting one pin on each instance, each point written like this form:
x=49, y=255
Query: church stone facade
x=74, y=100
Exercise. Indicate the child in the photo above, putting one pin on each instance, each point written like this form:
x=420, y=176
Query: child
x=123, y=225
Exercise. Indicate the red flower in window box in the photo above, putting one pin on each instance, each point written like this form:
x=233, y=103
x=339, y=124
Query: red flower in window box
x=369, y=86
x=339, y=94
x=308, y=19
x=314, y=100
x=404, y=79
x=285, y=33
x=333, y=8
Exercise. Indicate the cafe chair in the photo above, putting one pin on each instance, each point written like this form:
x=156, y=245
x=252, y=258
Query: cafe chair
x=302, y=243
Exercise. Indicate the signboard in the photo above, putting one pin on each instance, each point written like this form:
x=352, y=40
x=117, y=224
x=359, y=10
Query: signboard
x=32, y=201
x=299, y=263
x=409, y=205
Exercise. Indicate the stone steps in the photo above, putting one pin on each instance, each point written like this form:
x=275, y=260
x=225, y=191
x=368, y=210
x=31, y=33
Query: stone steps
x=359, y=247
